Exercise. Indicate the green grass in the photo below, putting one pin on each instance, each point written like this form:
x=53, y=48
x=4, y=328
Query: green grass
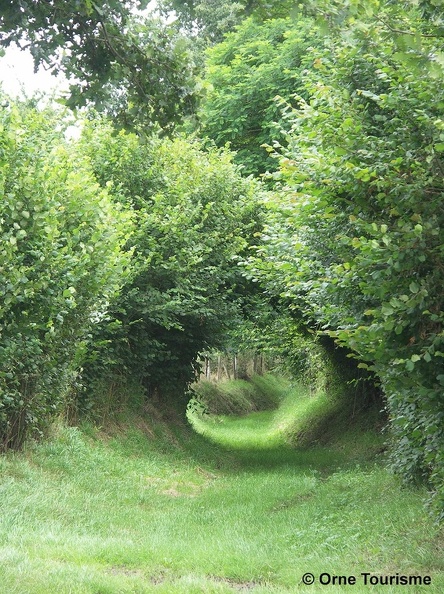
x=298, y=419
x=238, y=397
x=161, y=509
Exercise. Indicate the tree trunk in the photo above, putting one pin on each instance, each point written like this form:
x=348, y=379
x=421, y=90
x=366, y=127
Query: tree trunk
x=219, y=367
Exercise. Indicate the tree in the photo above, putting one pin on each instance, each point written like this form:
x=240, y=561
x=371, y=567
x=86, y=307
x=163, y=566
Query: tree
x=207, y=20
x=244, y=74
x=210, y=20
x=137, y=69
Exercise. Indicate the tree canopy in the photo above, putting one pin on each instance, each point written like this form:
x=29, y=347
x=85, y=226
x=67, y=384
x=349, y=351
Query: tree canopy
x=244, y=75
x=135, y=68
x=212, y=19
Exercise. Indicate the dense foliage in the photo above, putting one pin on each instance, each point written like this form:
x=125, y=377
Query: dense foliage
x=209, y=20
x=194, y=214
x=60, y=262
x=244, y=74
x=347, y=97
x=355, y=231
x=136, y=68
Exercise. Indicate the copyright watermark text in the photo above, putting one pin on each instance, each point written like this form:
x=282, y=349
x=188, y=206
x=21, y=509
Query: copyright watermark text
x=366, y=579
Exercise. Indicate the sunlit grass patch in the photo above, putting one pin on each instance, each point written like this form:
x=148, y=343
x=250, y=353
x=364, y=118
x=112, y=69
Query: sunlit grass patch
x=300, y=419
x=256, y=431
x=239, y=397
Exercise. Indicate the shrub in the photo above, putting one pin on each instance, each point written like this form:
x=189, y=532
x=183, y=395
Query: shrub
x=356, y=239
x=194, y=214
x=60, y=263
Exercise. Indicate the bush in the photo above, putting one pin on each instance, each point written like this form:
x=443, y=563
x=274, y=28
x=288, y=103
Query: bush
x=194, y=214
x=355, y=241
x=61, y=262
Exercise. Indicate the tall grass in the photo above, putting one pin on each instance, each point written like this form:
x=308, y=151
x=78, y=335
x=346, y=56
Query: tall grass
x=293, y=416
x=151, y=508
x=238, y=397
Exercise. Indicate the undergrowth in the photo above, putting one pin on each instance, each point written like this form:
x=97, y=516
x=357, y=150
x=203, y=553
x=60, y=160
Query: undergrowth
x=238, y=397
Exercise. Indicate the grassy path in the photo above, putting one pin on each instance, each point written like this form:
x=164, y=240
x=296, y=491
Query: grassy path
x=85, y=513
